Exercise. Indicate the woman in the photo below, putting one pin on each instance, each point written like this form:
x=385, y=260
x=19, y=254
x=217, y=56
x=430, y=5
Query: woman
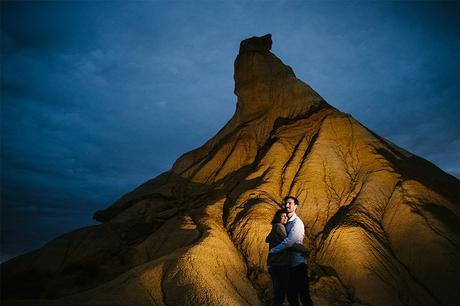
x=279, y=263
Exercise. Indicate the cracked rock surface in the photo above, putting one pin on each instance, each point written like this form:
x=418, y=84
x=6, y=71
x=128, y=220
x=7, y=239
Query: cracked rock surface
x=382, y=224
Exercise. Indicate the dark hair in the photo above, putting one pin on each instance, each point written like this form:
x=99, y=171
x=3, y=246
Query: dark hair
x=296, y=201
x=277, y=216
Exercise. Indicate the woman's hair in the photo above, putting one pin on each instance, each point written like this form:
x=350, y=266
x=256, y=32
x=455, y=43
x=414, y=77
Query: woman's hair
x=277, y=216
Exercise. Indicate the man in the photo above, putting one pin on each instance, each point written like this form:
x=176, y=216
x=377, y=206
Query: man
x=298, y=271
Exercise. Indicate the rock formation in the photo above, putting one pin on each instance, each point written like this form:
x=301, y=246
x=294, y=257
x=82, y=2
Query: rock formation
x=381, y=224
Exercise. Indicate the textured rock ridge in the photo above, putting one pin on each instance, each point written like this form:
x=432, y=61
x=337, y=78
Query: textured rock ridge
x=382, y=224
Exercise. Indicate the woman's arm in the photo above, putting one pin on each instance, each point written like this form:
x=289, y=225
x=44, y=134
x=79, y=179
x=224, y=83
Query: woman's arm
x=298, y=247
x=280, y=231
x=277, y=234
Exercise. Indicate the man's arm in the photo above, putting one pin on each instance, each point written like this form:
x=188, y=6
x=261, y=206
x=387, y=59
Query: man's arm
x=293, y=236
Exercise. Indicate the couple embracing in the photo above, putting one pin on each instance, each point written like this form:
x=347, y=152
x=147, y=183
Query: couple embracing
x=286, y=259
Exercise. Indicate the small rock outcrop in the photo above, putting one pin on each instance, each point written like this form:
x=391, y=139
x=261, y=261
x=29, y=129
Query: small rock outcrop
x=381, y=223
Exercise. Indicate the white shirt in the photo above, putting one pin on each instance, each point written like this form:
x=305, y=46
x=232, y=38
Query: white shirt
x=296, y=233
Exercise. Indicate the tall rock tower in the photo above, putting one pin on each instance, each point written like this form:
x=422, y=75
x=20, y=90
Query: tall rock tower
x=382, y=224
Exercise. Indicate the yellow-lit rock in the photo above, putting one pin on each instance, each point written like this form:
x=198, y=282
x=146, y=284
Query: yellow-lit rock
x=381, y=224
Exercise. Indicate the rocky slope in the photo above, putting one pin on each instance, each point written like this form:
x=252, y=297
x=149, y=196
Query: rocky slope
x=382, y=224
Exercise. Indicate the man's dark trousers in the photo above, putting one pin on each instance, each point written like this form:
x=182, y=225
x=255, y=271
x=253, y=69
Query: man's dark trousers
x=298, y=286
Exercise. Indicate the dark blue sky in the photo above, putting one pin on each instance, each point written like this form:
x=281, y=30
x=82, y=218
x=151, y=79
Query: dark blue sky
x=98, y=97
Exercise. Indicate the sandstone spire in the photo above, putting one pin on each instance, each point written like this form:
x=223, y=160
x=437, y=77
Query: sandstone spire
x=264, y=85
x=381, y=223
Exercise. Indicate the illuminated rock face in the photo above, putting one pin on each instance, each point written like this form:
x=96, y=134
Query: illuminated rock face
x=381, y=223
